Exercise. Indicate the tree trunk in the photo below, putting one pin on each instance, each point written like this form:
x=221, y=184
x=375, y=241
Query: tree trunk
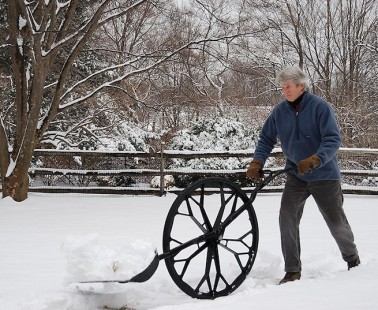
x=16, y=180
x=16, y=185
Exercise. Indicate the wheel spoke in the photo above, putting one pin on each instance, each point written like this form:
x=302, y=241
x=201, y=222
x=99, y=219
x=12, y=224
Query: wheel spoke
x=189, y=259
x=194, y=219
x=222, y=207
x=202, y=209
x=218, y=274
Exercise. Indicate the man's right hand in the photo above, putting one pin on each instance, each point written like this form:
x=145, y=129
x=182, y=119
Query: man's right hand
x=255, y=170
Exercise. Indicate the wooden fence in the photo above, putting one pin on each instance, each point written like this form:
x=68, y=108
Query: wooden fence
x=358, y=166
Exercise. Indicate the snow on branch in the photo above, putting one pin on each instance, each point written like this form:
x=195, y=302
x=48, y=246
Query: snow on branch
x=138, y=71
x=120, y=14
x=128, y=63
x=54, y=136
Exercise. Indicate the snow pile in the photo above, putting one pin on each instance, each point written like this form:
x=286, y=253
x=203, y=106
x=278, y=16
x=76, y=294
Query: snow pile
x=90, y=259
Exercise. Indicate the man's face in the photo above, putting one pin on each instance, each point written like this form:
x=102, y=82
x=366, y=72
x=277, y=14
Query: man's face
x=291, y=90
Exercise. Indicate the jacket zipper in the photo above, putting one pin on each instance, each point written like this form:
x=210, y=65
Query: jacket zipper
x=297, y=121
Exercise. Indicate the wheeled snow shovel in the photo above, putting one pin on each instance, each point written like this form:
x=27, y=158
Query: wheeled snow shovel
x=209, y=244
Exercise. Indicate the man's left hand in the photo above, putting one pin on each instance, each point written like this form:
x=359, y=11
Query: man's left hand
x=306, y=165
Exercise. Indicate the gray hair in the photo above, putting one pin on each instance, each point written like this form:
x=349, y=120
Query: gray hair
x=294, y=74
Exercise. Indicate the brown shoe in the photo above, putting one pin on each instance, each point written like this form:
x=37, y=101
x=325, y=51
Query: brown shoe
x=290, y=276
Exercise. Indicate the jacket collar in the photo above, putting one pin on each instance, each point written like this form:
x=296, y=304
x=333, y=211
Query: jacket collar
x=295, y=104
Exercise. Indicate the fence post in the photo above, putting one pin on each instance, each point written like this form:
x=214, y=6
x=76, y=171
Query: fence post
x=162, y=167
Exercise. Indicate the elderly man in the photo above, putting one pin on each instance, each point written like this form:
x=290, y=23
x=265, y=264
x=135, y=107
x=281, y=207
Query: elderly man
x=306, y=127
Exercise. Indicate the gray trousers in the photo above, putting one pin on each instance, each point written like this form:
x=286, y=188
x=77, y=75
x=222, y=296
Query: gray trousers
x=329, y=198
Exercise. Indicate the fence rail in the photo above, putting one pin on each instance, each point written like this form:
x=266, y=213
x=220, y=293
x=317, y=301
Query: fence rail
x=358, y=168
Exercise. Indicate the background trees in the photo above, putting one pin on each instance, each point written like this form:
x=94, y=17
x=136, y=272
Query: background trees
x=330, y=40
x=80, y=74
x=72, y=65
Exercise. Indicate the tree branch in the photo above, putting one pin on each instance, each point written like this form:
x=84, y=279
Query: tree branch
x=141, y=70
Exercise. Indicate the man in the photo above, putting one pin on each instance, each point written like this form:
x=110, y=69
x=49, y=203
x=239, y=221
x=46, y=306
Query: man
x=306, y=127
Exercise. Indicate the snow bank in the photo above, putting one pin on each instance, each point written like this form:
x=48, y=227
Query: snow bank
x=91, y=259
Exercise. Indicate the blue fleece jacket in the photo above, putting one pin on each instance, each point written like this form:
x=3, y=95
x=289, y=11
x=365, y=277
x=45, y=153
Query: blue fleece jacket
x=312, y=130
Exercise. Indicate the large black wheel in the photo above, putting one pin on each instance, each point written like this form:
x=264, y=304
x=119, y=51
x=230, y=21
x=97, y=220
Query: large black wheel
x=210, y=246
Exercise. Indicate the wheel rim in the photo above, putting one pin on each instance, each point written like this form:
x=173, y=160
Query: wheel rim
x=218, y=265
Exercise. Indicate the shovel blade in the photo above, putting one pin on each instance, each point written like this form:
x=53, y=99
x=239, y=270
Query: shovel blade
x=140, y=277
x=147, y=273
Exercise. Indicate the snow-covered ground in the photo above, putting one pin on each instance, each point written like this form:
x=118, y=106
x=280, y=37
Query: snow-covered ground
x=48, y=240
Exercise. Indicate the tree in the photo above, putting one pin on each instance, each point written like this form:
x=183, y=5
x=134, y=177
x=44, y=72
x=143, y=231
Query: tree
x=333, y=41
x=39, y=35
x=46, y=40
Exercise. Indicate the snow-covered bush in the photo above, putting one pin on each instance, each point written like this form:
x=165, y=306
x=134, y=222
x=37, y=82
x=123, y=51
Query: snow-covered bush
x=370, y=181
x=115, y=181
x=213, y=134
x=127, y=136
x=123, y=135
x=169, y=181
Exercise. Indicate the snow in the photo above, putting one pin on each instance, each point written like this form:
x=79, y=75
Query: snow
x=169, y=181
x=89, y=258
x=11, y=167
x=20, y=42
x=50, y=240
x=21, y=22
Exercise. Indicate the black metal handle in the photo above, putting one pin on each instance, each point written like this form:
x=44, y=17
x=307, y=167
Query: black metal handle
x=269, y=175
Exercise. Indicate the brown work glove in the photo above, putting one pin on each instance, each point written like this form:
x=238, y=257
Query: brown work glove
x=255, y=170
x=306, y=165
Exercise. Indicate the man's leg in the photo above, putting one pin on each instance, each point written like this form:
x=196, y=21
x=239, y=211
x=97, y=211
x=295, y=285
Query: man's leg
x=329, y=198
x=293, y=200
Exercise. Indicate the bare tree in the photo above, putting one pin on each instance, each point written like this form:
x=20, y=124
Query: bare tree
x=46, y=40
x=39, y=33
x=333, y=41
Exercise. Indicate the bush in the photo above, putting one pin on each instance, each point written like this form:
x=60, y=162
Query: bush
x=213, y=134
